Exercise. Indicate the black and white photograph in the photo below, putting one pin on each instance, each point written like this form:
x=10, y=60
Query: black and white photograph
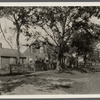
x=49, y=50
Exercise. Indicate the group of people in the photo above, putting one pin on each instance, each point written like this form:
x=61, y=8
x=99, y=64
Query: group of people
x=44, y=64
x=32, y=65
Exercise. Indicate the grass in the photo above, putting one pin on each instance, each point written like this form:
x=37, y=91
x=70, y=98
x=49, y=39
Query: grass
x=46, y=82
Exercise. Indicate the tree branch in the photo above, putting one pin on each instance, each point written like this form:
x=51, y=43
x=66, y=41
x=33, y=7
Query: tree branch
x=58, y=30
x=5, y=37
x=10, y=19
x=49, y=35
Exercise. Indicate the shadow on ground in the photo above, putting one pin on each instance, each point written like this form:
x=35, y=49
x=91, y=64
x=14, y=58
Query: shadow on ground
x=10, y=82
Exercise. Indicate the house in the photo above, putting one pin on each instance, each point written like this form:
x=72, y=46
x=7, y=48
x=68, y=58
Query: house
x=39, y=50
x=8, y=55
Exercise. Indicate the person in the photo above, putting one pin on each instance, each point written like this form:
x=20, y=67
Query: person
x=32, y=65
x=44, y=64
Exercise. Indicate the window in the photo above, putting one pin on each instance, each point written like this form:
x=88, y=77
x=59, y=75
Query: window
x=32, y=49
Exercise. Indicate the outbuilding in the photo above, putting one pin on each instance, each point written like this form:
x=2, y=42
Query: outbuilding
x=8, y=56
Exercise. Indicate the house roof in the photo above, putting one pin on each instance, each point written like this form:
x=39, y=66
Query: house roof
x=5, y=52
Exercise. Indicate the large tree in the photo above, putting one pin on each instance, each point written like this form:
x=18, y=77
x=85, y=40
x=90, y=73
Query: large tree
x=59, y=23
x=19, y=16
x=84, y=44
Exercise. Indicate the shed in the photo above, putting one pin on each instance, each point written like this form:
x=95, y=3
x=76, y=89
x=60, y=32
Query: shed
x=6, y=55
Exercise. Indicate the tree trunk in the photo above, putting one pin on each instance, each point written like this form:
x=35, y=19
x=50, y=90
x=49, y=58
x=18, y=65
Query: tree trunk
x=10, y=70
x=77, y=61
x=85, y=60
x=58, y=68
x=18, y=47
x=59, y=62
x=58, y=65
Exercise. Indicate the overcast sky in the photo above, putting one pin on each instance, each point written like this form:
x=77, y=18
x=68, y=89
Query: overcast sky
x=6, y=24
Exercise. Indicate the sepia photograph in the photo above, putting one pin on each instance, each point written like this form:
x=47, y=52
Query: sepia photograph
x=49, y=50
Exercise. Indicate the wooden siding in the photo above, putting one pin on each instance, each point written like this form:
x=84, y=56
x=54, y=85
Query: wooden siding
x=34, y=55
x=6, y=61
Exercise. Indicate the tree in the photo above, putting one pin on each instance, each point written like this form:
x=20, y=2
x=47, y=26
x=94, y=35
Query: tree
x=84, y=39
x=19, y=17
x=59, y=23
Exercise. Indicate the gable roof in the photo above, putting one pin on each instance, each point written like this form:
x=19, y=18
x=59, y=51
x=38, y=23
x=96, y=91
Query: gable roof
x=5, y=52
x=37, y=42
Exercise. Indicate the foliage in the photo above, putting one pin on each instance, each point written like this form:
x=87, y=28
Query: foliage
x=68, y=27
x=85, y=38
x=61, y=24
x=20, y=18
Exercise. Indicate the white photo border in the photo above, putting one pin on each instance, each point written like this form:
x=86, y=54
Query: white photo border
x=18, y=4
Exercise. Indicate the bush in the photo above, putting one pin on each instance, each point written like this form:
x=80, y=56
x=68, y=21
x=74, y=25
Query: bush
x=40, y=65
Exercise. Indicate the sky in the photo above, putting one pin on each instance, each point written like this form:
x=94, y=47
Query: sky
x=7, y=29
x=95, y=20
x=7, y=25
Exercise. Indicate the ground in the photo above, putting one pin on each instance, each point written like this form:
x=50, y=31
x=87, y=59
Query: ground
x=51, y=82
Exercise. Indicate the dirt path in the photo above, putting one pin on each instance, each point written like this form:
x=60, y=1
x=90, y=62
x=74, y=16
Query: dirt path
x=52, y=83
x=93, y=85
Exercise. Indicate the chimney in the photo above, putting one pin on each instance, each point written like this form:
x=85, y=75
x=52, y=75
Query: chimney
x=0, y=45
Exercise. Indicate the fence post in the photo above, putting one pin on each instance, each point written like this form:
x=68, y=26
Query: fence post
x=10, y=69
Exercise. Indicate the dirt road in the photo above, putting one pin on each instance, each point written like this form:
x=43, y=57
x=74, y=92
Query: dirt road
x=93, y=85
x=51, y=82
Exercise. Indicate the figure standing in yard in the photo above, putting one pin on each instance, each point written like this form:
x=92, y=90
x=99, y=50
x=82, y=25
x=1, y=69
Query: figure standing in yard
x=32, y=65
x=44, y=64
x=54, y=64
